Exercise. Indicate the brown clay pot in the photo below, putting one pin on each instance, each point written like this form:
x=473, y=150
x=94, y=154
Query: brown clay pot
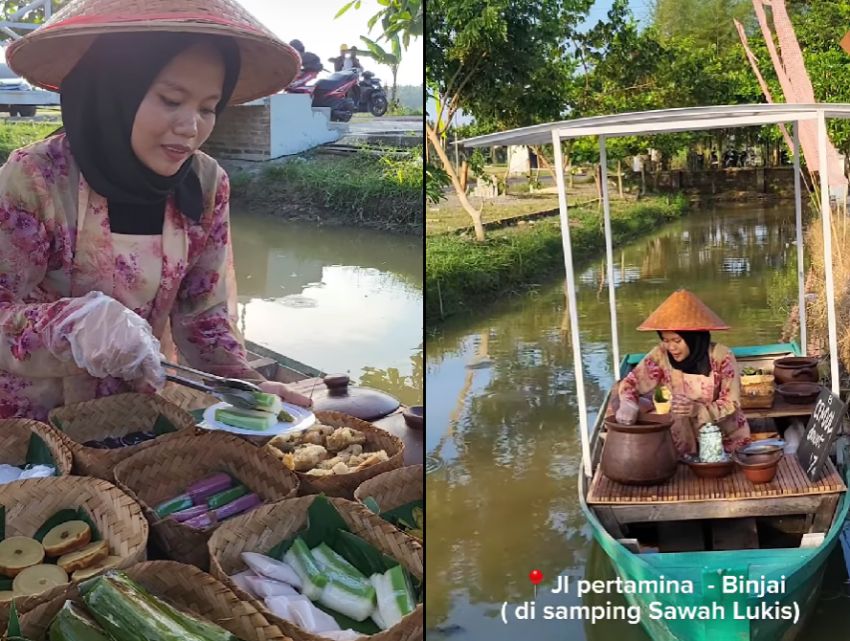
x=795, y=369
x=639, y=454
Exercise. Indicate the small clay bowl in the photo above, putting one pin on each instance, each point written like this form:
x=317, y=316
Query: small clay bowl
x=414, y=416
x=759, y=467
x=711, y=470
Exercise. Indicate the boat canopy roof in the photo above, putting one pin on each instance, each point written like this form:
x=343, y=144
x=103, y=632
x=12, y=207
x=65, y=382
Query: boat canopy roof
x=668, y=121
x=661, y=121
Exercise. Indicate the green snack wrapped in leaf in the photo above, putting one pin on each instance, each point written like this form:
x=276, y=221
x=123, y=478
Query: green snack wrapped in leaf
x=200, y=627
x=74, y=624
x=128, y=612
x=312, y=578
x=394, y=594
x=348, y=591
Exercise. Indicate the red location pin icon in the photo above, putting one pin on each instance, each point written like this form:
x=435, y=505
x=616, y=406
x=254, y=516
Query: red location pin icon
x=536, y=577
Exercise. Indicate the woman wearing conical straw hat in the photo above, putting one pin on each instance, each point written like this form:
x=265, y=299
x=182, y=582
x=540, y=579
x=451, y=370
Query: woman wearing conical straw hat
x=118, y=228
x=701, y=375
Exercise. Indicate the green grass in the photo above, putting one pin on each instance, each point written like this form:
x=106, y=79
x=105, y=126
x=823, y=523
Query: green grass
x=14, y=135
x=361, y=189
x=444, y=218
x=461, y=274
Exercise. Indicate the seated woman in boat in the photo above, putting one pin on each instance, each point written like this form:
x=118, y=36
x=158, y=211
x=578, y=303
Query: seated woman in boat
x=115, y=234
x=701, y=375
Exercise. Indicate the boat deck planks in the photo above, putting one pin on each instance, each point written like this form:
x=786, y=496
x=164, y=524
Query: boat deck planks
x=685, y=486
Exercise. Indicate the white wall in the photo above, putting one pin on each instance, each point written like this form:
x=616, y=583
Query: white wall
x=295, y=127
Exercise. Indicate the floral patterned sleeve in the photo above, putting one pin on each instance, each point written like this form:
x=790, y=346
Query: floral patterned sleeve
x=728, y=400
x=203, y=329
x=31, y=243
x=645, y=377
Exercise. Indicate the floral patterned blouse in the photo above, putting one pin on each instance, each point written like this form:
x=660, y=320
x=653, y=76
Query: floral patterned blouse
x=725, y=408
x=56, y=244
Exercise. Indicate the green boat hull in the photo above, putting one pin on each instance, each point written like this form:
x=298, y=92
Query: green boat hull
x=726, y=614
x=802, y=568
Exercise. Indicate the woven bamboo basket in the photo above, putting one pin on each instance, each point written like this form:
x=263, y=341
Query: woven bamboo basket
x=343, y=485
x=185, y=587
x=117, y=517
x=186, y=398
x=116, y=415
x=15, y=435
x=394, y=488
x=265, y=527
x=167, y=469
x=757, y=391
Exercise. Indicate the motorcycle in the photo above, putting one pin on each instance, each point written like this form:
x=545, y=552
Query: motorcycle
x=332, y=92
x=343, y=92
x=370, y=95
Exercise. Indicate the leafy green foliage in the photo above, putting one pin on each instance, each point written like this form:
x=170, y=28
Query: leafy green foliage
x=460, y=273
x=362, y=188
x=436, y=182
x=398, y=18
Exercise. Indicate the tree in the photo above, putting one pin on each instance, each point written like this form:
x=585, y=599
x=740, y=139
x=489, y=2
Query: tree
x=707, y=23
x=390, y=59
x=401, y=18
x=507, y=63
x=8, y=9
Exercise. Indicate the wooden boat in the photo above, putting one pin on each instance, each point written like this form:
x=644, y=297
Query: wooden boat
x=801, y=566
x=613, y=516
x=277, y=367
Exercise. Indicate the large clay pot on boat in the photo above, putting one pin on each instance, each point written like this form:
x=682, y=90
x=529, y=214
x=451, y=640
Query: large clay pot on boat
x=795, y=369
x=639, y=454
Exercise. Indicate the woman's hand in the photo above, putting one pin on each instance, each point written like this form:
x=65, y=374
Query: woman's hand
x=288, y=395
x=683, y=406
x=627, y=413
x=105, y=338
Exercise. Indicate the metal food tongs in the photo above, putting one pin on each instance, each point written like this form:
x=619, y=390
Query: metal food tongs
x=230, y=390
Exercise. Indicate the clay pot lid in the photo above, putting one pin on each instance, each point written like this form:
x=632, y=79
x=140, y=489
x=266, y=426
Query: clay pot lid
x=361, y=402
x=682, y=311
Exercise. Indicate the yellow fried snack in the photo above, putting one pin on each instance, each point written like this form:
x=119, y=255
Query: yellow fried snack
x=305, y=457
x=342, y=437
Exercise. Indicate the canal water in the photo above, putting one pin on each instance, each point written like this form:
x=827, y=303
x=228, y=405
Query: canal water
x=502, y=446
x=339, y=299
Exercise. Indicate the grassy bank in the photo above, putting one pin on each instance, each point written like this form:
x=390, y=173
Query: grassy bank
x=14, y=135
x=363, y=190
x=461, y=274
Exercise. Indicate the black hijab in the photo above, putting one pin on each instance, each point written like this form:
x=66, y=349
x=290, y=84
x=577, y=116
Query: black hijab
x=697, y=361
x=100, y=98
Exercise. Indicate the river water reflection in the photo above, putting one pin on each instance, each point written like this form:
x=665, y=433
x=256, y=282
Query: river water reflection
x=341, y=300
x=502, y=446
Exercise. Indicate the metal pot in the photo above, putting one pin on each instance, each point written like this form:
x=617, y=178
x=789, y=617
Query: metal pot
x=795, y=369
x=639, y=454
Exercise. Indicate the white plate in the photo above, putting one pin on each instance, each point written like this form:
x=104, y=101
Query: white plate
x=304, y=418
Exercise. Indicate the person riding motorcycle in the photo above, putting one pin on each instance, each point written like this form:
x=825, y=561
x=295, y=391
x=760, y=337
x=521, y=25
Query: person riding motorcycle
x=310, y=62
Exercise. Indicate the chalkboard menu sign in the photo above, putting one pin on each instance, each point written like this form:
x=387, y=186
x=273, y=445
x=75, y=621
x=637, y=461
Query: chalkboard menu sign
x=823, y=427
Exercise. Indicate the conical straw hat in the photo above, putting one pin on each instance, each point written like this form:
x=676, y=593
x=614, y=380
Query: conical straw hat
x=682, y=311
x=48, y=54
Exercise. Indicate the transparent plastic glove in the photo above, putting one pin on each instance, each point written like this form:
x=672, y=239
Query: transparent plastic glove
x=627, y=413
x=106, y=339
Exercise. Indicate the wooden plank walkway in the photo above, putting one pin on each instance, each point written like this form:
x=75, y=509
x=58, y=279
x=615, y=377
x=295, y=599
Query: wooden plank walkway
x=685, y=486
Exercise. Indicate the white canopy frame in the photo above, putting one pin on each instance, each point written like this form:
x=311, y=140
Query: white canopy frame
x=667, y=121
